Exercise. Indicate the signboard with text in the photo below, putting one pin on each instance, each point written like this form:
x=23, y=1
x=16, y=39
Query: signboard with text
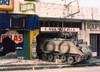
x=27, y=7
x=93, y=26
x=56, y=29
x=15, y=36
x=7, y=5
x=24, y=7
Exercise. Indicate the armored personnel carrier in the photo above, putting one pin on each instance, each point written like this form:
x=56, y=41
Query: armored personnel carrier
x=65, y=48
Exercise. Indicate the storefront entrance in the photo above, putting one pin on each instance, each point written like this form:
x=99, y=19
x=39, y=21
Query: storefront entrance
x=95, y=43
x=98, y=45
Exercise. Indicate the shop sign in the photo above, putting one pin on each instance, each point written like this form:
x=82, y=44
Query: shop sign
x=15, y=36
x=27, y=7
x=93, y=26
x=55, y=29
x=18, y=38
x=7, y=5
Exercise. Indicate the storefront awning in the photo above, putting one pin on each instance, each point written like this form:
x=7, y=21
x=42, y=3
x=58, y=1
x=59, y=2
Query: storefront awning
x=32, y=22
x=28, y=22
x=4, y=21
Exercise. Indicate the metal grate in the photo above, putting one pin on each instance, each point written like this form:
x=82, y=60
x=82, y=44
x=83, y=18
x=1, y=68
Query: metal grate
x=93, y=42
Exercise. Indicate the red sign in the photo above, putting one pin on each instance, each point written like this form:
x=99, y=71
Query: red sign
x=18, y=38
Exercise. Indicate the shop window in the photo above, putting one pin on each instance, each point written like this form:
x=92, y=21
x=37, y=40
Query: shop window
x=73, y=24
x=40, y=23
x=46, y=23
x=18, y=22
x=60, y=24
x=53, y=24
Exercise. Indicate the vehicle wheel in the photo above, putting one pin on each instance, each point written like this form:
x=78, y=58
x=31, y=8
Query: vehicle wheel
x=70, y=60
x=48, y=47
x=50, y=57
x=56, y=57
x=64, y=47
x=63, y=58
x=44, y=56
x=78, y=59
x=89, y=56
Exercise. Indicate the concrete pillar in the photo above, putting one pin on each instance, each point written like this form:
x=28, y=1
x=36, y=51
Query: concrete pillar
x=81, y=32
x=87, y=35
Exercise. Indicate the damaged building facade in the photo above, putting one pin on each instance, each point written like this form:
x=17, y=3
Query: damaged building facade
x=61, y=15
x=29, y=18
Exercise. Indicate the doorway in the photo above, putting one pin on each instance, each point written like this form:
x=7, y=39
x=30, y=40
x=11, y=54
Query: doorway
x=95, y=43
x=98, y=45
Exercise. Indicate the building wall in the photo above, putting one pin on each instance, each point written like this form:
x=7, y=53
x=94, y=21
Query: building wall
x=57, y=10
x=52, y=1
x=22, y=47
x=52, y=10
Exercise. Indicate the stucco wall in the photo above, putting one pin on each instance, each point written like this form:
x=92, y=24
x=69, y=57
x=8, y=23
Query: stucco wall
x=60, y=11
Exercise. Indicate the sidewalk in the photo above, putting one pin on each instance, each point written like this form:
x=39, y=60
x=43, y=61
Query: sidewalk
x=19, y=64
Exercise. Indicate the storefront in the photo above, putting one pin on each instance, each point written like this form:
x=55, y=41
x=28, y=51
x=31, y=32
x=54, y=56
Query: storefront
x=93, y=31
x=89, y=31
x=23, y=21
x=55, y=27
x=18, y=21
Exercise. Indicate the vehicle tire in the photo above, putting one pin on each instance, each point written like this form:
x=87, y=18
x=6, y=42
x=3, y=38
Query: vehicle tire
x=63, y=58
x=50, y=57
x=64, y=47
x=78, y=59
x=48, y=46
x=70, y=60
x=44, y=57
x=56, y=57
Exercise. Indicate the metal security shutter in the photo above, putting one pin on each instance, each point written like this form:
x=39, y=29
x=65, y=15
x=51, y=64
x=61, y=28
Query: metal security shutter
x=98, y=45
x=93, y=42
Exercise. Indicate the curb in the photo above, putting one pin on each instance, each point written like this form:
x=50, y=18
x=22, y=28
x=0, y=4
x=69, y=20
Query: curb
x=37, y=67
x=15, y=68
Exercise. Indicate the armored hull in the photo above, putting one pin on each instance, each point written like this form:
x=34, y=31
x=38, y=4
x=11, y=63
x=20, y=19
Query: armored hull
x=68, y=50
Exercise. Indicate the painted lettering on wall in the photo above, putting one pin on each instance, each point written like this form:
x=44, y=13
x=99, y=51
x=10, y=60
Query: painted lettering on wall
x=7, y=5
x=16, y=38
x=93, y=26
x=27, y=7
x=5, y=2
x=63, y=29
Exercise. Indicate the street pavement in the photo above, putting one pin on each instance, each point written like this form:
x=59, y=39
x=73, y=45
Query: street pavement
x=76, y=69
x=22, y=64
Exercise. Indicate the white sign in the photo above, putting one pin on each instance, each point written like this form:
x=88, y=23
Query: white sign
x=55, y=29
x=24, y=7
x=93, y=26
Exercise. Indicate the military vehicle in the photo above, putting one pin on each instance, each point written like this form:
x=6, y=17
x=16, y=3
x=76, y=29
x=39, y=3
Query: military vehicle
x=63, y=46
